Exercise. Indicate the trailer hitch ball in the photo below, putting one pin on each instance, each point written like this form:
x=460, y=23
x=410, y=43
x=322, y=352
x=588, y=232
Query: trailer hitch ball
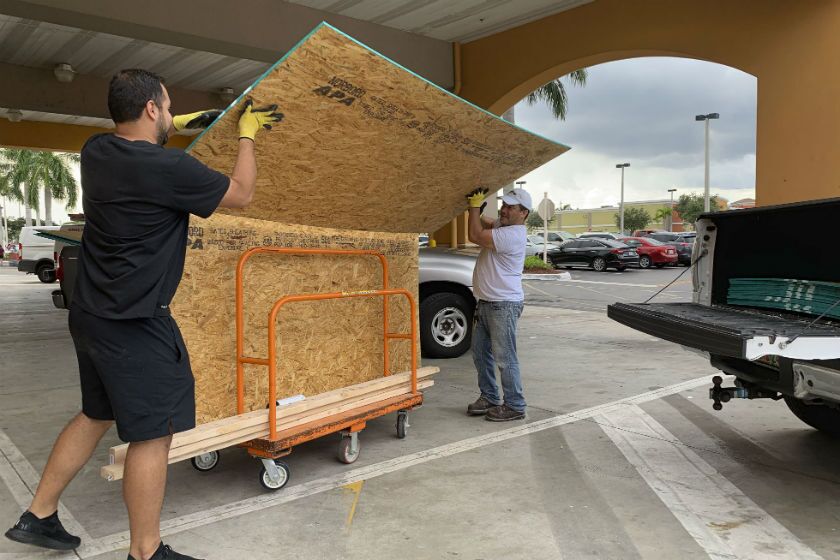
x=720, y=394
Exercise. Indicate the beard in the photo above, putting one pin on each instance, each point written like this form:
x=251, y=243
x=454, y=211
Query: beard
x=162, y=131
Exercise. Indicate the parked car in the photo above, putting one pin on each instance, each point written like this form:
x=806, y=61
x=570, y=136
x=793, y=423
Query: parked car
x=598, y=234
x=651, y=252
x=535, y=247
x=447, y=303
x=36, y=253
x=682, y=245
x=65, y=272
x=557, y=237
x=644, y=232
x=598, y=254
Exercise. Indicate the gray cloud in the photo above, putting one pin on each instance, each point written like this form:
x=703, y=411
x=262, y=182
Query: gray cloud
x=643, y=110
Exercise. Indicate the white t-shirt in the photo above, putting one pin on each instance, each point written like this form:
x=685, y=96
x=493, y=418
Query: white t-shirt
x=498, y=272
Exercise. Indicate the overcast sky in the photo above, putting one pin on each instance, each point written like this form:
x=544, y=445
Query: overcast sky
x=642, y=111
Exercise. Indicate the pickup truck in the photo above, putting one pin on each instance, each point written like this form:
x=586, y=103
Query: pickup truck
x=446, y=300
x=774, y=345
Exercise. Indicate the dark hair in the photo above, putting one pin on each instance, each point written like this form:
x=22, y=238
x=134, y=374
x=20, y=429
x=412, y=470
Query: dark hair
x=130, y=90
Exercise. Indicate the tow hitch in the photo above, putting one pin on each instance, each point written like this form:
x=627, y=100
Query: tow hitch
x=724, y=394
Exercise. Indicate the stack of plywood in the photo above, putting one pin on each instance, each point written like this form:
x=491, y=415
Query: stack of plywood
x=368, y=155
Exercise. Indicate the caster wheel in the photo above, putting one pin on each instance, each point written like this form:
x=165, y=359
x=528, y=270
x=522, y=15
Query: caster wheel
x=273, y=485
x=402, y=424
x=717, y=380
x=717, y=406
x=346, y=453
x=206, y=461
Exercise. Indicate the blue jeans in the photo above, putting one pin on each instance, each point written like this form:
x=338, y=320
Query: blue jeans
x=494, y=343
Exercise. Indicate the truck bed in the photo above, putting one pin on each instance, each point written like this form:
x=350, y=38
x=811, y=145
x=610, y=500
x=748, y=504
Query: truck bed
x=731, y=331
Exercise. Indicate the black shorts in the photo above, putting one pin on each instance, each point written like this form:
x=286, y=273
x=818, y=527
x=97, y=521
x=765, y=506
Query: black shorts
x=134, y=371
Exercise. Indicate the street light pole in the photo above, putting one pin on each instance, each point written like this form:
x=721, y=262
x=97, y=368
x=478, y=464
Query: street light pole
x=5, y=223
x=520, y=183
x=621, y=204
x=706, y=119
x=671, y=215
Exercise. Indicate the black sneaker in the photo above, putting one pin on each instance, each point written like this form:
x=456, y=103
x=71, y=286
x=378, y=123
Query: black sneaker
x=479, y=407
x=165, y=552
x=46, y=533
x=503, y=414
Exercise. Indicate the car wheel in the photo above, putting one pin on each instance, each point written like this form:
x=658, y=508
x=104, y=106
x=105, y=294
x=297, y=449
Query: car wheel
x=46, y=273
x=644, y=261
x=599, y=264
x=819, y=416
x=445, y=325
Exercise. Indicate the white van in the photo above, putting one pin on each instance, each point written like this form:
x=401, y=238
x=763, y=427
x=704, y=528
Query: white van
x=37, y=253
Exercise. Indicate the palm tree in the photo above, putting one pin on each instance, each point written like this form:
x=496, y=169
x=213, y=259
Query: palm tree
x=8, y=190
x=36, y=170
x=662, y=216
x=554, y=93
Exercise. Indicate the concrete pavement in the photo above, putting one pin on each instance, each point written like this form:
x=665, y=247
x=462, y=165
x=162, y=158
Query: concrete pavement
x=621, y=457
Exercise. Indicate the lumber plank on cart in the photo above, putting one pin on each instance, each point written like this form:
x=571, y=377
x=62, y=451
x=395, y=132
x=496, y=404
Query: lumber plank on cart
x=255, y=418
x=312, y=418
x=237, y=429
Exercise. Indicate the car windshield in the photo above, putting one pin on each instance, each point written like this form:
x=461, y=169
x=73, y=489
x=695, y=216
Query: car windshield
x=535, y=239
x=653, y=241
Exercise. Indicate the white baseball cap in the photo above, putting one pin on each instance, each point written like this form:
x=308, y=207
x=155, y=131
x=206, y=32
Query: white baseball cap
x=518, y=196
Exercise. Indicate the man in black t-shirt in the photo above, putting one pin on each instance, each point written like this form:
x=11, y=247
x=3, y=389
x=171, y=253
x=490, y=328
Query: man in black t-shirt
x=133, y=366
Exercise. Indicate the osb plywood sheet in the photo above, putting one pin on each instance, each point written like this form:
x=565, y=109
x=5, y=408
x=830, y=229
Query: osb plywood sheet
x=366, y=144
x=322, y=345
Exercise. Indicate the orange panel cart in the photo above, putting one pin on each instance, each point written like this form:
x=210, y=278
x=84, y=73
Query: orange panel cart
x=279, y=443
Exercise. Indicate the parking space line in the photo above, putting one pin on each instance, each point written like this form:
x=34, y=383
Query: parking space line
x=250, y=505
x=614, y=283
x=22, y=481
x=721, y=519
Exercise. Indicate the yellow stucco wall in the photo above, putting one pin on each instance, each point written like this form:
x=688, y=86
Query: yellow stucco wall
x=790, y=46
x=59, y=137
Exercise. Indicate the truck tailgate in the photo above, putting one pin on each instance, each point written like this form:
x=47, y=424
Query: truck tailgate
x=731, y=331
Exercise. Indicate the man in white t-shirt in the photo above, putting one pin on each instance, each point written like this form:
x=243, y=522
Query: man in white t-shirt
x=497, y=284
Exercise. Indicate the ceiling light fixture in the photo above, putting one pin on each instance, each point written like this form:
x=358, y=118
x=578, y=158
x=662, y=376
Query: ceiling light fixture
x=14, y=115
x=64, y=73
x=227, y=95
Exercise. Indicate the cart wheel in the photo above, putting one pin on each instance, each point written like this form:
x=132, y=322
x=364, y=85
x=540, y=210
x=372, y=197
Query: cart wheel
x=346, y=454
x=402, y=424
x=269, y=484
x=206, y=461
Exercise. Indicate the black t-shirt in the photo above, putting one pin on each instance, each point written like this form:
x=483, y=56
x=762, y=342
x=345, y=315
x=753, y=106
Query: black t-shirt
x=137, y=199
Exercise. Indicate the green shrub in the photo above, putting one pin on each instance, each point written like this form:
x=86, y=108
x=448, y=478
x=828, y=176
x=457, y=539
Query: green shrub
x=535, y=262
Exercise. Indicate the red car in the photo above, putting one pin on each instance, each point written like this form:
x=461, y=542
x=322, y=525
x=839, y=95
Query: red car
x=651, y=251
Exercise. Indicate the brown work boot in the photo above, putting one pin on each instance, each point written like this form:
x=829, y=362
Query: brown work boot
x=503, y=414
x=479, y=407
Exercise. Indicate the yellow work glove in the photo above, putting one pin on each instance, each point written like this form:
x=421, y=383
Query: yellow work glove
x=253, y=119
x=199, y=119
x=476, y=197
